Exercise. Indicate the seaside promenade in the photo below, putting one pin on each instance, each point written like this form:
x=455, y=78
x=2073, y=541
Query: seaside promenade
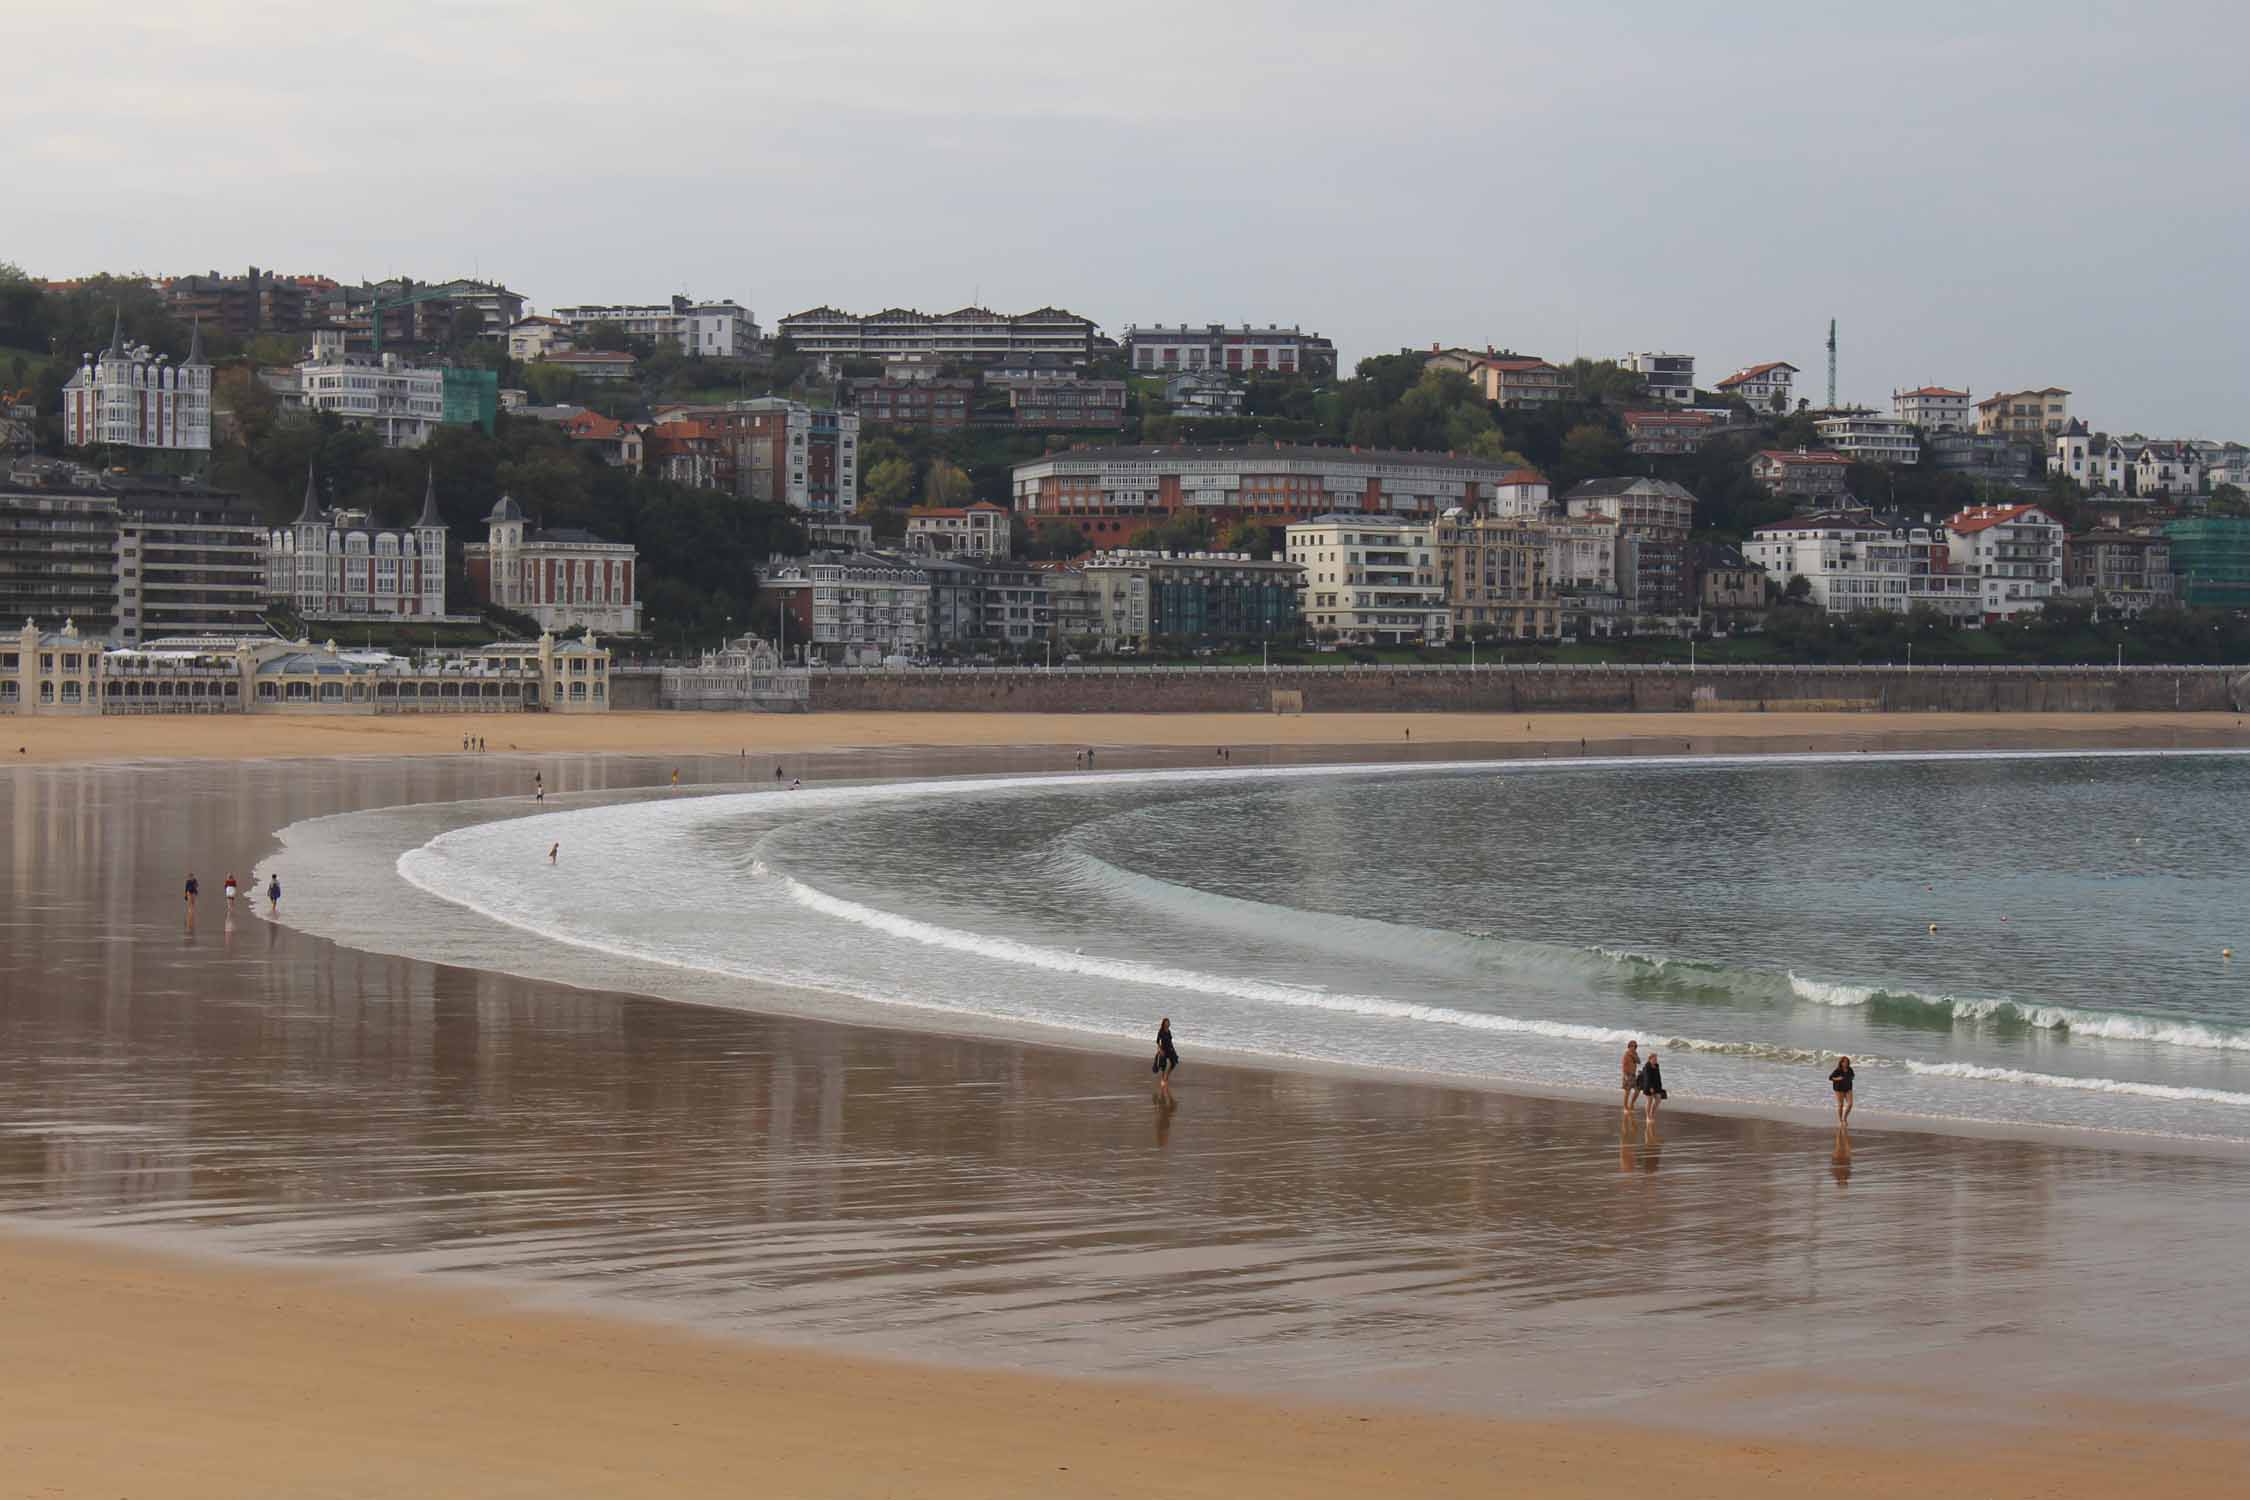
x=279, y=1216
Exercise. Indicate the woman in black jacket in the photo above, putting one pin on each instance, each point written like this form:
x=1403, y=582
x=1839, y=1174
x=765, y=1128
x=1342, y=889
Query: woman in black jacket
x=1167, y=1057
x=1652, y=1087
x=1840, y=1079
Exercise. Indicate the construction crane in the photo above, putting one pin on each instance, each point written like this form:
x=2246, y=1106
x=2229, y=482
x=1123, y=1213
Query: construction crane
x=1831, y=364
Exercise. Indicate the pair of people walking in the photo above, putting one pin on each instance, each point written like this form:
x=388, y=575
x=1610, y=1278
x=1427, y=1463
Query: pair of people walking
x=1642, y=1079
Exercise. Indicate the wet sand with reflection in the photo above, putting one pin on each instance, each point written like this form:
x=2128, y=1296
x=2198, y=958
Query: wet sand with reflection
x=251, y=1088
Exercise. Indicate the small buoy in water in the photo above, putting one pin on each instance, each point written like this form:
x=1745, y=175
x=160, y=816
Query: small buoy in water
x=1933, y=927
x=2003, y=919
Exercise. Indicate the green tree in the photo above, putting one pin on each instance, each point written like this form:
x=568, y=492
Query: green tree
x=888, y=485
x=605, y=334
x=946, y=484
x=1606, y=382
x=1057, y=540
x=1253, y=537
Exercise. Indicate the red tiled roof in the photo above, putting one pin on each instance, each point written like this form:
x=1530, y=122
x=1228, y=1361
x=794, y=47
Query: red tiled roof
x=589, y=356
x=592, y=424
x=1510, y=366
x=1999, y=396
x=1739, y=376
x=1935, y=390
x=1980, y=517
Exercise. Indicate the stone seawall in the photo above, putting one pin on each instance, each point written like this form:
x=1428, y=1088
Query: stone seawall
x=1540, y=689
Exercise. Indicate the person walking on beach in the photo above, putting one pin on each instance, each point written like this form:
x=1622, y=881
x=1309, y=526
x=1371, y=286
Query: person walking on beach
x=1652, y=1088
x=273, y=895
x=554, y=852
x=1629, y=1071
x=191, y=890
x=675, y=776
x=1167, y=1056
x=231, y=889
x=1840, y=1079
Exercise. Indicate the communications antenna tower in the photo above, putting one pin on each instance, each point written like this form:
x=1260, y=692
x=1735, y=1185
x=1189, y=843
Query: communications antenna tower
x=1831, y=364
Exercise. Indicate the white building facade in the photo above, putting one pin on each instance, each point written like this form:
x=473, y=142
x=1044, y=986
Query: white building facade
x=1934, y=408
x=1872, y=440
x=334, y=563
x=2100, y=464
x=1851, y=562
x=128, y=397
x=2014, y=551
x=713, y=330
x=1371, y=579
x=1670, y=378
x=1243, y=350
x=1761, y=385
x=401, y=403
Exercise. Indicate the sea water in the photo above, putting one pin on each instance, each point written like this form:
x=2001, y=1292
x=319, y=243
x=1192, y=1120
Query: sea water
x=2016, y=939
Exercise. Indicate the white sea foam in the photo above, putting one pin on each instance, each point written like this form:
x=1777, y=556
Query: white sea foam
x=2107, y=1025
x=2174, y=1093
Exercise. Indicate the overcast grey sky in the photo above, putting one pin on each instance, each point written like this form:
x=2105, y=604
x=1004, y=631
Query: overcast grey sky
x=1989, y=194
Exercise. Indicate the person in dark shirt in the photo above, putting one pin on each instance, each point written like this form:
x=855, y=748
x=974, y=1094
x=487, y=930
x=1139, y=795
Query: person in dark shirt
x=1652, y=1087
x=1840, y=1079
x=191, y=890
x=1167, y=1056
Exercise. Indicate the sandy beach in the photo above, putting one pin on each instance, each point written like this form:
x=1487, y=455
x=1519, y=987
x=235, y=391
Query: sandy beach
x=147, y=1375
x=313, y=1221
x=43, y=739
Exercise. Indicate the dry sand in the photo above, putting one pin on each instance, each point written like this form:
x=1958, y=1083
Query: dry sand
x=237, y=736
x=135, y=1374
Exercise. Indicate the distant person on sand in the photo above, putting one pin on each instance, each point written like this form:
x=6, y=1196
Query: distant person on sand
x=231, y=889
x=1167, y=1056
x=191, y=889
x=1840, y=1079
x=1629, y=1069
x=1652, y=1086
x=554, y=852
x=675, y=776
x=273, y=895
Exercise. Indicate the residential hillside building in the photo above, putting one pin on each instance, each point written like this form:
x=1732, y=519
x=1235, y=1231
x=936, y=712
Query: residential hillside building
x=565, y=578
x=1981, y=456
x=1111, y=492
x=1204, y=394
x=2168, y=469
x=592, y=364
x=772, y=449
x=2032, y=415
x=402, y=315
x=2015, y=551
x=853, y=609
x=2211, y=561
x=1191, y=596
x=2098, y=462
x=923, y=402
x=1766, y=387
x=1719, y=579
x=981, y=530
x=1655, y=508
x=1669, y=378
x=240, y=307
x=1870, y=439
x=2120, y=572
x=1170, y=349
x=696, y=452
x=401, y=403
x=1513, y=381
x=1058, y=405
x=190, y=561
x=1851, y=561
x=1522, y=494
x=619, y=444
x=1372, y=579
x=1582, y=557
x=970, y=335
x=722, y=329
x=1934, y=409
x=1801, y=474
x=337, y=564
x=2226, y=463
x=536, y=338
x=1013, y=602
x=1672, y=431
x=1494, y=575
x=58, y=549
x=129, y=397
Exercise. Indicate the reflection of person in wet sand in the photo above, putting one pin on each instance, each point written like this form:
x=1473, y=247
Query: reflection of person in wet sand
x=1165, y=1105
